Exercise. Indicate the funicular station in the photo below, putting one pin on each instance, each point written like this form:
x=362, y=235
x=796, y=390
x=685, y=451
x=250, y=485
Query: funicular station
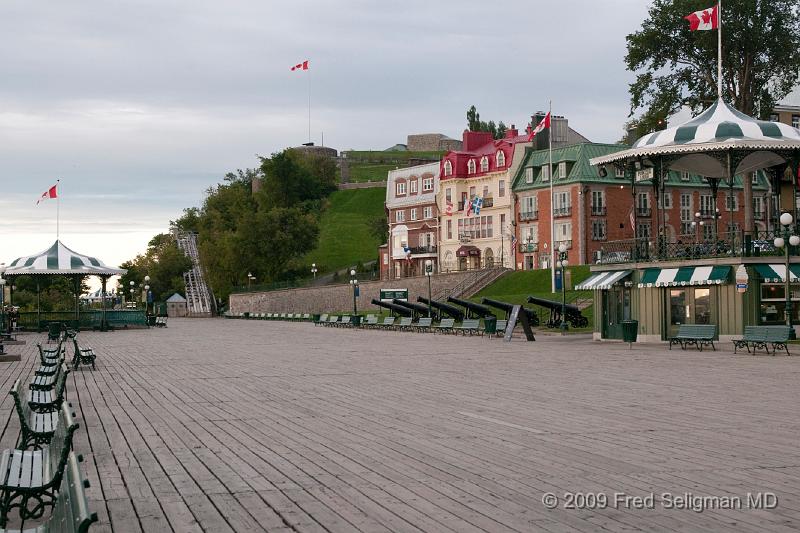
x=730, y=278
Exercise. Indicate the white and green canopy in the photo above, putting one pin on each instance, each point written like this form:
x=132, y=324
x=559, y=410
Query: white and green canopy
x=683, y=276
x=776, y=273
x=58, y=259
x=602, y=280
x=719, y=128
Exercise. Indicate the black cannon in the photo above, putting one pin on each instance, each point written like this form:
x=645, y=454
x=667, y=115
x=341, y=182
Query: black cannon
x=421, y=310
x=533, y=318
x=394, y=308
x=574, y=315
x=476, y=310
x=447, y=309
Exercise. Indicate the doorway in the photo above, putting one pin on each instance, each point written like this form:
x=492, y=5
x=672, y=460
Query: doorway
x=689, y=306
x=616, y=309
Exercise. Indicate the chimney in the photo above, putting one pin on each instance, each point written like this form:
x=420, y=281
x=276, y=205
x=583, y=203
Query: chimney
x=512, y=132
x=475, y=139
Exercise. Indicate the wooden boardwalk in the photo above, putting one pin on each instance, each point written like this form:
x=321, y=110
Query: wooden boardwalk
x=214, y=425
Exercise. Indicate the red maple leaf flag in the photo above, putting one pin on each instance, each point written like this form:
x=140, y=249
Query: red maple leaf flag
x=52, y=192
x=301, y=66
x=707, y=19
x=545, y=123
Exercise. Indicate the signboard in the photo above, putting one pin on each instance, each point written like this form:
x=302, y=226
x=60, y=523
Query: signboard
x=387, y=295
x=512, y=322
x=644, y=174
x=742, y=279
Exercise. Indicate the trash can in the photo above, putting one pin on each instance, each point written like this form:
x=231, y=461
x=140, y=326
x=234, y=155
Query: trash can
x=151, y=320
x=490, y=325
x=355, y=320
x=315, y=318
x=630, y=330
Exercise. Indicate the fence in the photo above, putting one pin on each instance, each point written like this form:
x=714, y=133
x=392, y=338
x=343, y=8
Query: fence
x=33, y=321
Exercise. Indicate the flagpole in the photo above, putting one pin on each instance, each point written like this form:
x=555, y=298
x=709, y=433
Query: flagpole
x=308, y=75
x=552, y=204
x=719, y=50
x=58, y=212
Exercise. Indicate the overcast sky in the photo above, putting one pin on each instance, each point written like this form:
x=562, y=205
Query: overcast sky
x=139, y=107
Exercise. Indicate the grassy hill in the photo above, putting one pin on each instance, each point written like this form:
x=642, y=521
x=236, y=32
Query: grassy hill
x=374, y=165
x=344, y=235
x=515, y=287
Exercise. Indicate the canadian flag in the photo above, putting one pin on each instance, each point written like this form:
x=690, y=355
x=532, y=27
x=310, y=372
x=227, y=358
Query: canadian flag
x=52, y=192
x=301, y=66
x=542, y=125
x=448, y=210
x=707, y=19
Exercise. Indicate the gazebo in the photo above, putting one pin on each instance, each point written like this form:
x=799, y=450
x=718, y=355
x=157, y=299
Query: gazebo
x=62, y=261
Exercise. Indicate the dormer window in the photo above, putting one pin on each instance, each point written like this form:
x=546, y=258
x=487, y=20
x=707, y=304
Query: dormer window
x=448, y=168
x=484, y=164
x=471, y=166
x=500, y=158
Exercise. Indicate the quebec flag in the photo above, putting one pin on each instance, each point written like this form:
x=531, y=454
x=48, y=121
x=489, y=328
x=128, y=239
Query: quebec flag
x=477, y=203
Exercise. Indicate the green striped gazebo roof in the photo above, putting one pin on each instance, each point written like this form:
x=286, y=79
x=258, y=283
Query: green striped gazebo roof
x=718, y=128
x=58, y=259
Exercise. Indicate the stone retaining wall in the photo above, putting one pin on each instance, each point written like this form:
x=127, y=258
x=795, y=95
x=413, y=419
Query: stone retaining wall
x=338, y=298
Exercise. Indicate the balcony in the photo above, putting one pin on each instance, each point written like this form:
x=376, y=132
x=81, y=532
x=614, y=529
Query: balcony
x=488, y=202
x=599, y=210
x=707, y=213
x=420, y=250
x=563, y=211
x=529, y=247
x=567, y=244
x=528, y=215
x=759, y=215
x=644, y=212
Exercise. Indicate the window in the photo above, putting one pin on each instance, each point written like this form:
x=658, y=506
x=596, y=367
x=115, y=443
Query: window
x=708, y=232
x=529, y=233
x=502, y=223
x=489, y=228
x=400, y=216
x=733, y=227
x=562, y=204
x=414, y=213
x=666, y=200
x=685, y=176
x=562, y=170
x=448, y=195
x=471, y=193
x=427, y=184
x=643, y=230
x=529, y=210
x=563, y=233
x=687, y=229
x=643, y=204
x=401, y=188
x=427, y=212
x=619, y=172
x=706, y=204
x=501, y=190
x=731, y=203
x=796, y=121
x=484, y=164
x=448, y=168
x=686, y=208
x=598, y=203
x=529, y=175
x=485, y=191
x=412, y=186
x=754, y=178
x=545, y=173
x=599, y=230
x=774, y=117
x=500, y=159
x=450, y=229
x=471, y=166
x=758, y=207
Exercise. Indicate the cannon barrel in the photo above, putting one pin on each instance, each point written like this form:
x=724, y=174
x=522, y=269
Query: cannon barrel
x=478, y=309
x=507, y=307
x=400, y=310
x=450, y=310
x=551, y=304
x=417, y=308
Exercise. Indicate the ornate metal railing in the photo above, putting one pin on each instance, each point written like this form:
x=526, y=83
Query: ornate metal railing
x=563, y=211
x=528, y=215
x=599, y=210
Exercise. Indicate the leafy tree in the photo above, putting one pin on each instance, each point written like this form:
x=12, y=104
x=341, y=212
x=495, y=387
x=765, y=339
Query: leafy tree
x=676, y=67
x=164, y=262
x=292, y=178
x=379, y=228
x=56, y=293
x=474, y=123
x=189, y=222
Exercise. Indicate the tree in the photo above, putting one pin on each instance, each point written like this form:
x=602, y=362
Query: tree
x=164, y=262
x=474, y=123
x=379, y=228
x=675, y=67
x=292, y=178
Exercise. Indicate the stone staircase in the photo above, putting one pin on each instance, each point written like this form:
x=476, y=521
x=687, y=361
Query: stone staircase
x=472, y=284
x=199, y=298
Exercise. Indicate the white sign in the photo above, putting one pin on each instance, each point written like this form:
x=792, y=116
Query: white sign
x=644, y=174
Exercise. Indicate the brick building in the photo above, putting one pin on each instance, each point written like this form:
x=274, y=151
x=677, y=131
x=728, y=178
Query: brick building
x=413, y=221
x=590, y=209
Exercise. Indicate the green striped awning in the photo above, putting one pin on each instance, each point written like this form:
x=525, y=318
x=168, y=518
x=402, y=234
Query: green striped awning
x=777, y=273
x=602, y=280
x=676, y=277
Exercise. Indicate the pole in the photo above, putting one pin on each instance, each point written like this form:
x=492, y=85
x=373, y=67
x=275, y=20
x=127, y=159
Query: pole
x=58, y=212
x=719, y=50
x=552, y=204
x=430, y=313
x=308, y=75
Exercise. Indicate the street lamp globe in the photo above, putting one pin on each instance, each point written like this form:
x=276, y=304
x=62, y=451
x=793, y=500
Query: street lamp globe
x=778, y=242
x=564, y=263
x=794, y=240
x=697, y=215
x=147, y=287
x=786, y=219
x=562, y=248
x=352, y=272
x=147, y=279
x=133, y=283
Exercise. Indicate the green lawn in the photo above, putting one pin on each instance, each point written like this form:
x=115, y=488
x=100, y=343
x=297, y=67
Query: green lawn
x=515, y=287
x=344, y=235
x=366, y=172
x=391, y=157
x=374, y=166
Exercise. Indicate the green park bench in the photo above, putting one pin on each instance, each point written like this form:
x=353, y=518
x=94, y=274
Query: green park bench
x=469, y=325
x=778, y=337
x=32, y=476
x=333, y=320
x=500, y=329
x=370, y=321
x=404, y=324
x=422, y=325
x=445, y=326
x=754, y=337
x=48, y=400
x=321, y=320
x=387, y=323
x=698, y=335
x=82, y=356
